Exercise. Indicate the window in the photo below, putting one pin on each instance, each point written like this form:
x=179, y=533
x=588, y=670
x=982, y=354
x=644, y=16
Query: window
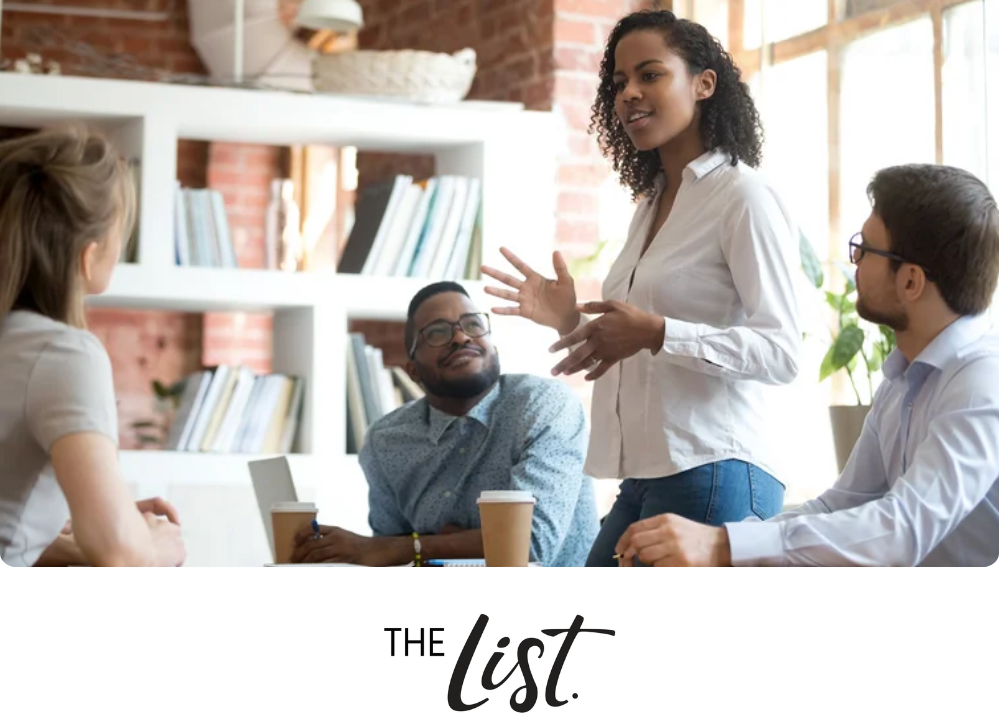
x=887, y=112
x=886, y=82
x=970, y=96
x=776, y=20
x=791, y=98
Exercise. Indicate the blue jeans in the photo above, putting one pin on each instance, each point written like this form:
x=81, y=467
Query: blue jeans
x=721, y=492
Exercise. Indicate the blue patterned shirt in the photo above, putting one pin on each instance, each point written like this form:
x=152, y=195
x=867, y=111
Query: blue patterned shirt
x=425, y=468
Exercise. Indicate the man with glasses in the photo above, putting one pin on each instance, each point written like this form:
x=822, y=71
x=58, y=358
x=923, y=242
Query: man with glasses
x=427, y=462
x=922, y=484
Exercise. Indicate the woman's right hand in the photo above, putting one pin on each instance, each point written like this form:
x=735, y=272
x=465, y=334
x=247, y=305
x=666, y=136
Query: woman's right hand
x=551, y=303
x=167, y=541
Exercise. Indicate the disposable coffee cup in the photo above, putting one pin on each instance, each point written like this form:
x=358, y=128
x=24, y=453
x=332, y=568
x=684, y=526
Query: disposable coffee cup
x=506, y=516
x=287, y=520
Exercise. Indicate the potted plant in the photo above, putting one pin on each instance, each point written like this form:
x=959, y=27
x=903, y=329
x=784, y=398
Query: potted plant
x=856, y=346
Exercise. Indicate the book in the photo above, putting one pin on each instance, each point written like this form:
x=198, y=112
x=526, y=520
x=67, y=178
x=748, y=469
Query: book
x=372, y=206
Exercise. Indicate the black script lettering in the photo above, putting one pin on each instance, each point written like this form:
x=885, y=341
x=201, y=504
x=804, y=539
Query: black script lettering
x=461, y=668
x=487, y=674
x=529, y=687
x=573, y=630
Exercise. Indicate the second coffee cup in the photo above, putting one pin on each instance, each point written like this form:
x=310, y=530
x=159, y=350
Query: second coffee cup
x=506, y=527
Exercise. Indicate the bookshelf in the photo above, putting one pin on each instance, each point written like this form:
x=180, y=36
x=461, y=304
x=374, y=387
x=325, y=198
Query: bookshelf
x=512, y=152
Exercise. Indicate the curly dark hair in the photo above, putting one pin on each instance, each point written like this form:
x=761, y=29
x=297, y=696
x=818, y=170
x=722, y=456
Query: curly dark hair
x=729, y=119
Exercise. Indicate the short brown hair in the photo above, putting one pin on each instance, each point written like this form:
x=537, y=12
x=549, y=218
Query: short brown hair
x=60, y=190
x=945, y=220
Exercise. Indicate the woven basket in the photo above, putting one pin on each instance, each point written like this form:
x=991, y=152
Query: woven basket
x=414, y=74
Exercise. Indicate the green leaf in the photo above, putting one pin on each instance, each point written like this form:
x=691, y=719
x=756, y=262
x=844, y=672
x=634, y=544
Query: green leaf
x=847, y=345
x=876, y=358
x=144, y=424
x=851, y=281
x=827, y=369
x=810, y=263
x=176, y=389
x=148, y=439
x=160, y=389
x=834, y=301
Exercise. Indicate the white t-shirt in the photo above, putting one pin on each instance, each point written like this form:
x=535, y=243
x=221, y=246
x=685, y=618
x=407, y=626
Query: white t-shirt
x=55, y=380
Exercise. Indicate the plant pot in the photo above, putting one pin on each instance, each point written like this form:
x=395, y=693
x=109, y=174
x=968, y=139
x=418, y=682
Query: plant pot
x=847, y=424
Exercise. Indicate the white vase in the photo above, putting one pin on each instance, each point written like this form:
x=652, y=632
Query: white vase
x=847, y=424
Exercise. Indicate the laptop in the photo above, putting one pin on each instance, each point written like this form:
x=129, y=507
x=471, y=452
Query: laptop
x=272, y=483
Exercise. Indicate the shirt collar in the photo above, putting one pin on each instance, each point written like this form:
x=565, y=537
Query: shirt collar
x=706, y=163
x=944, y=347
x=481, y=413
x=696, y=169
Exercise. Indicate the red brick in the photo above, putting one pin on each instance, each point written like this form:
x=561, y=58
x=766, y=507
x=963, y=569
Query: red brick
x=576, y=231
x=573, y=88
x=596, y=8
x=573, y=58
x=583, y=175
x=578, y=203
x=576, y=32
x=584, y=146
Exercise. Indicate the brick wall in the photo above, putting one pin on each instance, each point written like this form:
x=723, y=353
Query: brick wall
x=145, y=346
x=243, y=174
x=543, y=53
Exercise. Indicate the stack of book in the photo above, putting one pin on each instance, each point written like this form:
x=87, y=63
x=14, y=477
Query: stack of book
x=229, y=409
x=373, y=390
x=202, y=229
x=427, y=229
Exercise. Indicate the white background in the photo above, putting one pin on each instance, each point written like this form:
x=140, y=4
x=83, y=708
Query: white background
x=310, y=642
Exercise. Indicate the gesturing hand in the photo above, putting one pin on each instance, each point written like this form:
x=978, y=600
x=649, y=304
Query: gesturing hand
x=621, y=331
x=551, y=303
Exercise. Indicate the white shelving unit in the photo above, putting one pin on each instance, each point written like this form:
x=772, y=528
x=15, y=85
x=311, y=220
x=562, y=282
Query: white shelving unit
x=512, y=151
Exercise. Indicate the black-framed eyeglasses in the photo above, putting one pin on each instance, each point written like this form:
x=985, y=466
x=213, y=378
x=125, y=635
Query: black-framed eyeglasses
x=859, y=249
x=441, y=332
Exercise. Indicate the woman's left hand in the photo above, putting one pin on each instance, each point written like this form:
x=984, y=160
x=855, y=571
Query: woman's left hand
x=621, y=331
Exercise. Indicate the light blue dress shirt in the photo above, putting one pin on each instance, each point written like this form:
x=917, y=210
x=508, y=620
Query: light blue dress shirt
x=922, y=484
x=426, y=469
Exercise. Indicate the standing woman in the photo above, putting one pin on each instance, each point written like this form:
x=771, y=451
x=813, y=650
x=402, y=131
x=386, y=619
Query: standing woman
x=66, y=203
x=698, y=313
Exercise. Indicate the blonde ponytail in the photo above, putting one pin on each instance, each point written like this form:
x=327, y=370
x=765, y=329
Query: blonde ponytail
x=60, y=190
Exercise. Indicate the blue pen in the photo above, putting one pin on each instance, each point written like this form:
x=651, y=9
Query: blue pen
x=315, y=531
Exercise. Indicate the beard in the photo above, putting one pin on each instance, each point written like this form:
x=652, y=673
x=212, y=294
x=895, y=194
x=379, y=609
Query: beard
x=462, y=388
x=897, y=320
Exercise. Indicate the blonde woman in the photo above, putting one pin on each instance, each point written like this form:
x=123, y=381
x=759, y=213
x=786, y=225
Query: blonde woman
x=66, y=203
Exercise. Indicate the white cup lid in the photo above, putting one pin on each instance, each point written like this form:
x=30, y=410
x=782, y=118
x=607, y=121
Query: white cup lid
x=505, y=496
x=293, y=507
